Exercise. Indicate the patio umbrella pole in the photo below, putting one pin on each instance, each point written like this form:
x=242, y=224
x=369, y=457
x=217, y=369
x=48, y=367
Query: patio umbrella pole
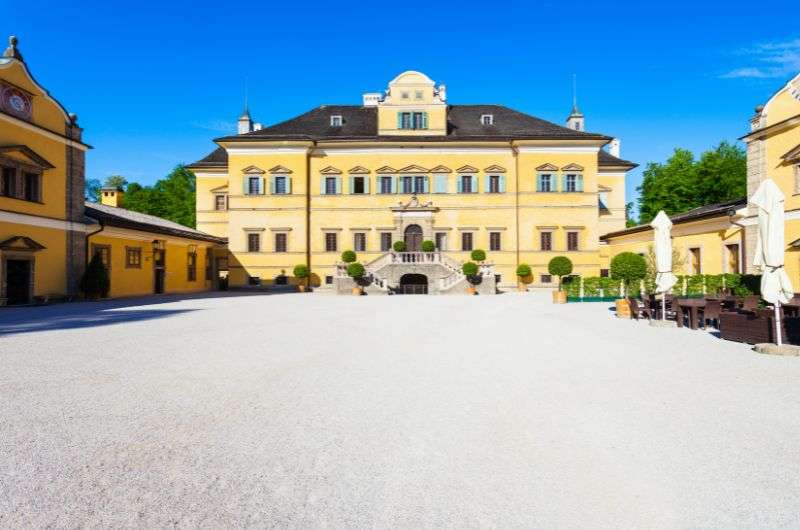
x=779, y=341
x=663, y=306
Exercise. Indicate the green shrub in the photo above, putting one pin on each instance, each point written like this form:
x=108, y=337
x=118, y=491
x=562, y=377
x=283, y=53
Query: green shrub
x=628, y=267
x=572, y=285
x=356, y=271
x=95, y=281
x=348, y=256
x=428, y=246
x=399, y=246
x=301, y=271
x=523, y=270
x=469, y=269
x=694, y=285
x=560, y=266
x=478, y=255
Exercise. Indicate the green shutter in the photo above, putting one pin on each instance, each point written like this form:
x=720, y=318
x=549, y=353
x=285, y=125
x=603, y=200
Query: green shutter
x=538, y=182
x=397, y=185
x=424, y=120
x=579, y=183
x=502, y=183
x=487, y=183
x=474, y=180
x=459, y=184
x=563, y=182
x=367, y=178
x=441, y=183
x=262, y=185
x=399, y=120
x=322, y=185
x=272, y=185
x=246, y=187
x=352, y=184
x=338, y=185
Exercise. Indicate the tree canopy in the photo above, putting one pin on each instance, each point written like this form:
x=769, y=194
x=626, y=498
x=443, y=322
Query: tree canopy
x=683, y=183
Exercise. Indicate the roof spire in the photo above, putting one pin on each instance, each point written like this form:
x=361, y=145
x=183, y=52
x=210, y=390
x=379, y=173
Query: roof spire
x=12, y=52
x=246, y=111
x=575, y=110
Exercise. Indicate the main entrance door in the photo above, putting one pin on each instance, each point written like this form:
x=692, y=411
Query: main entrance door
x=413, y=284
x=413, y=238
x=18, y=281
x=159, y=264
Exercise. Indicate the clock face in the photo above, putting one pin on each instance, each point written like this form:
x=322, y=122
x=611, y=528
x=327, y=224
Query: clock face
x=17, y=102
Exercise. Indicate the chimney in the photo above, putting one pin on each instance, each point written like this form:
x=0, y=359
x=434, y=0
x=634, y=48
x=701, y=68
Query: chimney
x=111, y=197
x=371, y=99
x=245, y=123
x=613, y=147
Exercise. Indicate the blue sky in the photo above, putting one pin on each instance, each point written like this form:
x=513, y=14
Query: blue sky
x=153, y=83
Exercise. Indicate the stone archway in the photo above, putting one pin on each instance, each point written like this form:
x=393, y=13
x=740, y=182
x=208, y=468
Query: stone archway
x=413, y=284
x=413, y=238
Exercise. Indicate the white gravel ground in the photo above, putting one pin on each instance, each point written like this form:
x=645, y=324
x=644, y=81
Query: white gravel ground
x=414, y=412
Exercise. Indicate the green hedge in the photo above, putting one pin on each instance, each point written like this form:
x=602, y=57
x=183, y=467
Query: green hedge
x=738, y=284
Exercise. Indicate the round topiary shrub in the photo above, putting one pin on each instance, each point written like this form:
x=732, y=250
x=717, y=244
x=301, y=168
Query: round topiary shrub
x=478, y=255
x=469, y=269
x=428, y=246
x=356, y=271
x=95, y=282
x=628, y=267
x=399, y=246
x=348, y=256
x=301, y=271
x=560, y=266
x=524, y=270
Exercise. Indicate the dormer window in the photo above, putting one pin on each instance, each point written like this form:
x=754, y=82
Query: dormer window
x=487, y=119
x=404, y=95
x=418, y=94
x=336, y=121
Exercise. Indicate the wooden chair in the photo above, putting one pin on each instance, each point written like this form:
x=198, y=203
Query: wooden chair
x=637, y=310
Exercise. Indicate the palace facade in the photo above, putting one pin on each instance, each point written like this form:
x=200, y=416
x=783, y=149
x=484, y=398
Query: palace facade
x=407, y=165
x=47, y=230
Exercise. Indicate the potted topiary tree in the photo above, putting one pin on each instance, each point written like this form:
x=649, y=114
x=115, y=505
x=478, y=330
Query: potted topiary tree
x=525, y=277
x=356, y=271
x=478, y=255
x=628, y=268
x=301, y=272
x=348, y=256
x=399, y=246
x=560, y=266
x=428, y=246
x=95, y=282
x=470, y=270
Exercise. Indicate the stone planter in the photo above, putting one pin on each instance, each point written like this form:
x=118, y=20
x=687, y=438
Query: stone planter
x=521, y=287
x=623, y=308
x=559, y=297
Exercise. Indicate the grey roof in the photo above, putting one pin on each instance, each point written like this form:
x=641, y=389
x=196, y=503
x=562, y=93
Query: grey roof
x=122, y=218
x=696, y=214
x=606, y=159
x=463, y=123
x=218, y=157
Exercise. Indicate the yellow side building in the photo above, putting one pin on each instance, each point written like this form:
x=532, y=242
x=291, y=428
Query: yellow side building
x=48, y=231
x=406, y=165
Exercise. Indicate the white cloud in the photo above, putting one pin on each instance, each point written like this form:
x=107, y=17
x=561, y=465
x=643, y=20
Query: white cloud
x=769, y=60
x=215, y=125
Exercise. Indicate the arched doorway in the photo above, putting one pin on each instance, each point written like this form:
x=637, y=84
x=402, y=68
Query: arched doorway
x=413, y=238
x=413, y=284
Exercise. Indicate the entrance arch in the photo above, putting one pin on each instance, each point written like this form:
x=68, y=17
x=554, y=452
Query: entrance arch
x=413, y=284
x=413, y=238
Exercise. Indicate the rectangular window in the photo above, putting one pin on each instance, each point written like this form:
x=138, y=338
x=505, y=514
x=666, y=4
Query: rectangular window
x=280, y=185
x=31, y=182
x=9, y=182
x=209, y=270
x=418, y=121
x=330, y=185
x=336, y=121
x=219, y=202
x=419, y=184
x=494, y=240
x=386, y=241
x=494, y=184
x=418, y=94
x=406, y=185
x=572, y=240
x=546, y=278
x=280, y=242
x=466, y=184
x=733, y=259
x=133, y=257
x=487, y=119
x=571, y=182
x=386, y=185
x=405, y=120
x=411, y=120
x=694, y=261
x=604, y=273
x=191, y=266
x=330, y=242
x=328, y=280
x=360, y=242
x=253, y=242
x=253, y=185
x=441, y=240
x=466, y=241
x=546, y=241
x=104, y=251
x=546, y=182
x=358, y=185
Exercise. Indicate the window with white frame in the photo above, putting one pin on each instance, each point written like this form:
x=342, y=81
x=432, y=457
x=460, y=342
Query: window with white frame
x=253, y=185
x=336, y=120
x=280, y=185
x=359, y=242
x=253, y=242
x=412, y=120
x=385, y=184
x=571, y=182
x=441, y=240
x=330, y=185
x=466, y=241
x=494, y=241
x=220, y=202
x=545, y=182
x=281, y=242
x=386, y=241
x=487, y=119
x=331, y=240
x=494, y=183
x=359, y=185
x=466, y=184
x=418, y=94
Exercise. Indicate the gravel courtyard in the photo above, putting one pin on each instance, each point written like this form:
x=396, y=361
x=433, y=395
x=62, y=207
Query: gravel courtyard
x=414, y=412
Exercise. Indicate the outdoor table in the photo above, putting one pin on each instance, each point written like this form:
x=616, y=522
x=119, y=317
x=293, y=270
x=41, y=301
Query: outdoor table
x=691, y=305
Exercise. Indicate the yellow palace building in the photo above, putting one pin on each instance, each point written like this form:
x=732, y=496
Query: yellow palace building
x=406, y=165
x=48, y=231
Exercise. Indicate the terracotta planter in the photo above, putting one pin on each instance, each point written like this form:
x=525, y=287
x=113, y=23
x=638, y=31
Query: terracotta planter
x=301, y=288
x=559, y=297
x=357, y=291
x=521, y=287
x=471, y=290
x=623, y=308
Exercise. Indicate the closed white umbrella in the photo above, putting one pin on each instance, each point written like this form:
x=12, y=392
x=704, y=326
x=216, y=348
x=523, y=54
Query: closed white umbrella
x=776, y=287
x=662, y=239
